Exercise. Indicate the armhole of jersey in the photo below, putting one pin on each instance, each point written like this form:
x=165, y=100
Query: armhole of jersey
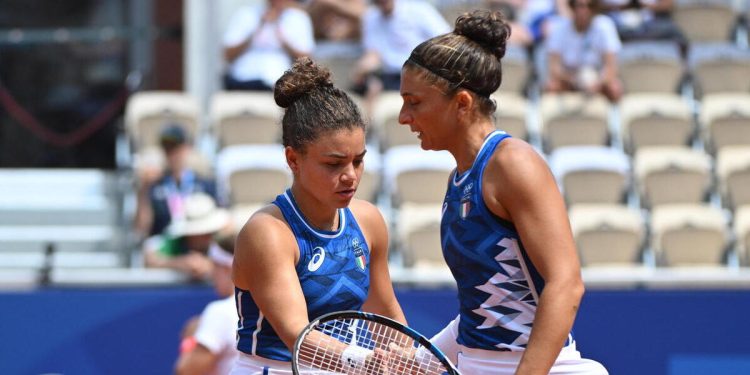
x=480, y=192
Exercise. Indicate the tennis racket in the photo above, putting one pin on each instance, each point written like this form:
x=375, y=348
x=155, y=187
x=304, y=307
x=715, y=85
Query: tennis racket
x=355, y=342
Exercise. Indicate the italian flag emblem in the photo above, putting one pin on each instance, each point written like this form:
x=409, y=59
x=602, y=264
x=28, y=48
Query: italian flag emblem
x=359, y=254
x=361, y=262
x=465, y=207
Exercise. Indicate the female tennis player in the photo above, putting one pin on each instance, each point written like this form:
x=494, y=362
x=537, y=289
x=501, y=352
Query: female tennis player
x=315, y=250
x=505, y=232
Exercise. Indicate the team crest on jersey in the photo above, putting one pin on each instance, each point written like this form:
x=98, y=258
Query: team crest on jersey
x=359, y=254
x=466, y=201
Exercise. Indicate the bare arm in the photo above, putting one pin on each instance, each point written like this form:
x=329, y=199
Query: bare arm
x=519, y=187
x=381, y=299
x=198, y=361
x=264, y=264
x=609, y=72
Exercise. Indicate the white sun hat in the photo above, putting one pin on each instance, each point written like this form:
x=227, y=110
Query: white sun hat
x=201, y=217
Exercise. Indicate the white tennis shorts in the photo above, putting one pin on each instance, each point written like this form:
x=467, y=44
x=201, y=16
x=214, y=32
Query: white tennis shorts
x=471, y=361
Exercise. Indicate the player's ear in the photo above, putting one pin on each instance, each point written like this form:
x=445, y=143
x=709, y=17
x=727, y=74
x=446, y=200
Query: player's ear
x=464, y=102
x=292, y=159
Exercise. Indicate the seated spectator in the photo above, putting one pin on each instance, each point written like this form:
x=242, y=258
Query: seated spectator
x=208, y=342
x=390, y=30
x=539, y=15
x=644, y=20
x=582, y=53
x=336, y=20
x=188, y=241
x=261, y=43
x=520, y=34
x=161, y=191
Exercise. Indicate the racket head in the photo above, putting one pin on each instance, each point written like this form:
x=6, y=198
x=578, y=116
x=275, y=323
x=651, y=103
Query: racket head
x=398, y=349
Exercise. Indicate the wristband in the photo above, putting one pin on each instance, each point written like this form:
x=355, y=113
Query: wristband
x=354, y=356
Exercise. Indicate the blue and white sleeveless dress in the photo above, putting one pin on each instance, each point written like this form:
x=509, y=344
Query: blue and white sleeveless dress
x=333, y=271
x=498, y=286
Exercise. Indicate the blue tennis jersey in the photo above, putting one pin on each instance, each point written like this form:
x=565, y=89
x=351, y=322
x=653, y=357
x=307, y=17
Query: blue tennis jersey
x=498, y=286
x=333, y=271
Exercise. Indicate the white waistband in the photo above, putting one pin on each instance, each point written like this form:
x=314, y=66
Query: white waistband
x=567, y=352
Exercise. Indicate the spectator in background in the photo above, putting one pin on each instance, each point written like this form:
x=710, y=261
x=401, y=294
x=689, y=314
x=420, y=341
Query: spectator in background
x=391, y=29
x=645, y=20
x=520, y=34
x=162, y=190
x=208, y=343
x=188, y=241
x=539, y=15
x=582, y=53
x=336, y=20
x=261, y=43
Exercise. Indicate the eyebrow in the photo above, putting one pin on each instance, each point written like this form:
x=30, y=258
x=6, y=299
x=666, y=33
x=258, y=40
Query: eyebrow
x=342, y=156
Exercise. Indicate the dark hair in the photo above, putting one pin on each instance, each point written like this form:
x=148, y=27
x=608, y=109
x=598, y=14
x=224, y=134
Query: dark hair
x=313, y=105
x=469, y=57
x=173, y=135
x=593, y=5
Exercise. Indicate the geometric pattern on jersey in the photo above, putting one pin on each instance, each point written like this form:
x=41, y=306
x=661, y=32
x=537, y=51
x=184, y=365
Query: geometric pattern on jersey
x=333, y=271
x=498, y=286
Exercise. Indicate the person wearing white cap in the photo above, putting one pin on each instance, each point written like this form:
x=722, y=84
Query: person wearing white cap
x=209, y=346
x=188, y=240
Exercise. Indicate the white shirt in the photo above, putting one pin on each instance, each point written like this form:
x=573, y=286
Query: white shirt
x=587, y=49
x=266, y=59
x=395, y=36
x=217, y=331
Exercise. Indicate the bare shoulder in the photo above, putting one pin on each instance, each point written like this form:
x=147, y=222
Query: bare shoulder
x=366, y=212
x=264, y=228
x=514, y=159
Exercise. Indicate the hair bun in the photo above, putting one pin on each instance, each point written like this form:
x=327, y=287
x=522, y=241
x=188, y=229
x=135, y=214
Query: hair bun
x=487, y=28
x=304, y=76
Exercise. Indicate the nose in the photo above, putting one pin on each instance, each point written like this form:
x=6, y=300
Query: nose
x=349, y=175
x=404, y=117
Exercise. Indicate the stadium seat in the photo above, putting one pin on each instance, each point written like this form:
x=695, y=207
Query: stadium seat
x=418, y=234
x=591, y=174
x=511, y=112
x=146, y=112
x=741, y=230
x=719, y=68
x=653, y=66
x=672, y=174
x=733, y=173
x=725, y=120
x=386, y=109
x=607, y=234
x=245, y=117
x=655, y=119
x=412, y=175
x=705, y=20
x=252, y=174
x=370, y=183
x=688, y=234
x=573, y=119
x=516, y=70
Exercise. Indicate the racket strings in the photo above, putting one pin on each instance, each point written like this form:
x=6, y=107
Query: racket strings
x=388, y=351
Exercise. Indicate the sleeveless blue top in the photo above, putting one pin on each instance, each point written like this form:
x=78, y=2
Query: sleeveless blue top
x=498, y=286
x=333, y=271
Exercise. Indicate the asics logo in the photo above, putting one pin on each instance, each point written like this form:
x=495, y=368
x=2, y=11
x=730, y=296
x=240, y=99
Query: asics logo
x=319, y=255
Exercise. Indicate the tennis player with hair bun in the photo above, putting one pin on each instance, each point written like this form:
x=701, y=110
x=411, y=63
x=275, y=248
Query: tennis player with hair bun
x=315, y=250
x=505, y=231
